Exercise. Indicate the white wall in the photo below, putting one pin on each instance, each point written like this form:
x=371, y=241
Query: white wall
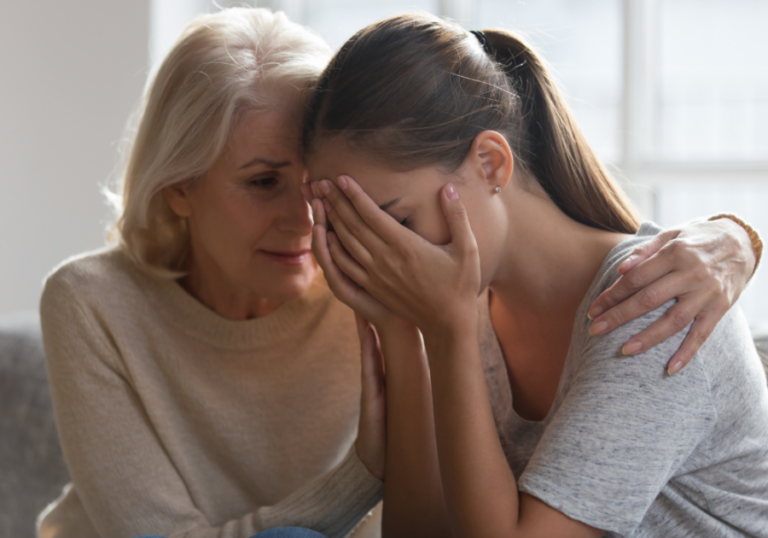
x=71, y=74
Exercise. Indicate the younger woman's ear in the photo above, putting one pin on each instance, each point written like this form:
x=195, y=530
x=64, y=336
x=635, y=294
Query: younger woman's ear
x=177, y=197
x=493, y=157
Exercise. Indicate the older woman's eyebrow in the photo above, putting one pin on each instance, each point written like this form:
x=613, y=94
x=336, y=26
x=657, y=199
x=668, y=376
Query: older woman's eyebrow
x=389, y=204
x=266, y=162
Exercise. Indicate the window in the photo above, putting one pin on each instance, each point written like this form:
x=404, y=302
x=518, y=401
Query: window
x=712, y=91
x=582, y=42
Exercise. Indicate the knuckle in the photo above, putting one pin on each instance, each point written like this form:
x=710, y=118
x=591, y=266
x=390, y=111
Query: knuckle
x=355, y=227
x=679, y=318
x=614, y=317
x=701, y=275
x=698, y=337
x=650, y=299
x=634, y=280
x=675, y=248
x=644, y=247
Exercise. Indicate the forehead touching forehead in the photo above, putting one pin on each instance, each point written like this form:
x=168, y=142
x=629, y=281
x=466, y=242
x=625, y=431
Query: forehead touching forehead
x=334, y=157
x=276, y=131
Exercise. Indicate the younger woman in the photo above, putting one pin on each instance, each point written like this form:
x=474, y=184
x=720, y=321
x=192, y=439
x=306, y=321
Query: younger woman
x=541, y=428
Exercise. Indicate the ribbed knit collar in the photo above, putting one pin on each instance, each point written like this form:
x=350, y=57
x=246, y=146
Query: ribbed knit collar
x=288, y=321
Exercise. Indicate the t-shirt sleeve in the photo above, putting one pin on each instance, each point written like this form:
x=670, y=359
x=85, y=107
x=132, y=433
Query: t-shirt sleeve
x=127, y=483
x=622, y=430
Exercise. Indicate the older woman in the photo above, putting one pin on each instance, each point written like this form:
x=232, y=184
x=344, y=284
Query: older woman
x=205, y=381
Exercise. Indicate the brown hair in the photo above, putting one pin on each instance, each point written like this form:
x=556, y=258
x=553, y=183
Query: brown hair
x=415, y=90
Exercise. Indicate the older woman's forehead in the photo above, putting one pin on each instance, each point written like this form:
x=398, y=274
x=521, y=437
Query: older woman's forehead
x=272, y=131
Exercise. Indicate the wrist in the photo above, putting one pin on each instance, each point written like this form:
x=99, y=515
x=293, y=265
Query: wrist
x=450, y=329
x=752, y=237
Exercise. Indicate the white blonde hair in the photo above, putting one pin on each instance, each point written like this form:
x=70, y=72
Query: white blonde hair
x=222, y=65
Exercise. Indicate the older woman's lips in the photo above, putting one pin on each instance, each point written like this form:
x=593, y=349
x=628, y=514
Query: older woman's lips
x=288, y=257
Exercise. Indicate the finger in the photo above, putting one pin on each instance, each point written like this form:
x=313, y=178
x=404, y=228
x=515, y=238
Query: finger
x=318, y=213
x=362, y=325
x=381, y=222
x=674, y=320
x=347, y=212
x=345, y=262
x=646, y=250
x=700, y=330
x=647, y=299
x=641, y=276
x=341, y=285
x=350, y=240
x=462, y=238
x=306, y=191
x=315, y=186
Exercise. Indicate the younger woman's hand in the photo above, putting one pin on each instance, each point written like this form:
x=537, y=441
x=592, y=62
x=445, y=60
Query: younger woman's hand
x=430, y=286
x=371, y=431
x=346, y=290
x=704, y=265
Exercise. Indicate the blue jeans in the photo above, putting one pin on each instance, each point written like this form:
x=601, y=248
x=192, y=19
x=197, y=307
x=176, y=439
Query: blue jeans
x=280, y=532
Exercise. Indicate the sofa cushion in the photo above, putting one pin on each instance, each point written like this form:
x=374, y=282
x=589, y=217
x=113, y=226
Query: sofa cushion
x=31, y=464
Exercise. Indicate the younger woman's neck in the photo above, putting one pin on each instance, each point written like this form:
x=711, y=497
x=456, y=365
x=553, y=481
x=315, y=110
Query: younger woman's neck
x=550, y=259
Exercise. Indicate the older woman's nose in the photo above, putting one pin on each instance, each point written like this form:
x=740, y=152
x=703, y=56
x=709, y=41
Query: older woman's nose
x=296, y=215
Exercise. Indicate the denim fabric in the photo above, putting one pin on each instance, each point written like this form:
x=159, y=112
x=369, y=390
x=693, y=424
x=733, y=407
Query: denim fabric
x=280, y=532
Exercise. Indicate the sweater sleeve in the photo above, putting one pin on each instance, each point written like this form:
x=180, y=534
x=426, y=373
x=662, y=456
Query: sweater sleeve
x=121, y=472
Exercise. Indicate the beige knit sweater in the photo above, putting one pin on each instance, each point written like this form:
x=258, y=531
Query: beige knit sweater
x=176, y=421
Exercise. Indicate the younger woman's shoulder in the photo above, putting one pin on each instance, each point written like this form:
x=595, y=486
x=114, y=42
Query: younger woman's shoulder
x=730, y=341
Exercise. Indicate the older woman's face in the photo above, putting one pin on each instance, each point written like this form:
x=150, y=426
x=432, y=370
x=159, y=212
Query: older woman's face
x=249, y=222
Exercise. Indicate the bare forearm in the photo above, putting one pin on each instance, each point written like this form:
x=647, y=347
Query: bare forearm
x=480, y=489
x=414, y=502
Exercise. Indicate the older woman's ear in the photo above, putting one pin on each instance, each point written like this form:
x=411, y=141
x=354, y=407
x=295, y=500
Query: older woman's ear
x=177, y=196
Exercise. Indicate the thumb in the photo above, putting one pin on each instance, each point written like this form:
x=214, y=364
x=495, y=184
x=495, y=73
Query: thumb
x=462, y=237
x=372, y=370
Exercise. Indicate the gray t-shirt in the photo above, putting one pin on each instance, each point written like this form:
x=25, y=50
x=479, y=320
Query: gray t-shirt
x=632, y=450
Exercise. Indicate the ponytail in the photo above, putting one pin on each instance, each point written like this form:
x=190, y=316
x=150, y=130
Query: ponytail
x=558, y=154
x=416, y=90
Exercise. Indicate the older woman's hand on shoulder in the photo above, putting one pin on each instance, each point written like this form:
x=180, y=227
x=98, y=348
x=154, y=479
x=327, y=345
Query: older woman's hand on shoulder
x=704, y=265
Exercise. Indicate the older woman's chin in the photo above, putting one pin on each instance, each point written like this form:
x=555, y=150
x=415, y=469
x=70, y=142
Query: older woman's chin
x=287, y=287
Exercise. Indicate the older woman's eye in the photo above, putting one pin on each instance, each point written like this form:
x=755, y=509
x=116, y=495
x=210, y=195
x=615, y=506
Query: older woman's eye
x=264, y=182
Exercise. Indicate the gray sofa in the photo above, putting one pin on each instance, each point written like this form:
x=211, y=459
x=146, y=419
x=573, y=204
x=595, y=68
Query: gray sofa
x=32, y=469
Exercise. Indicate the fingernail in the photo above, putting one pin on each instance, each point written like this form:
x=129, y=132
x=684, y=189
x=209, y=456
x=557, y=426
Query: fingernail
x=325, y=186
x=327, y=205
x=596, y=311
x=598, y=328
x=630, y=348
x=675, y=368
x=342, y=182
x=450, y=192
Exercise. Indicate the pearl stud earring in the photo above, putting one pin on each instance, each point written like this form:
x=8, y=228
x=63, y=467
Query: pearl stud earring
x=497, y=189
